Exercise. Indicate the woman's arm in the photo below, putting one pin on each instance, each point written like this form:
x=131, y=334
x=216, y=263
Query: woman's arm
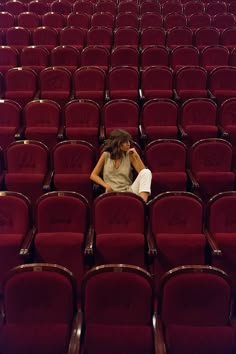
x=95, y=175
x=136, y=160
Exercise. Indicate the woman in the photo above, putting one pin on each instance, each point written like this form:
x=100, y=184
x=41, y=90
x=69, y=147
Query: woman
x=116, y=164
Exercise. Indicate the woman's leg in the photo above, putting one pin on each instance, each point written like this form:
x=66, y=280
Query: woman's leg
x=142, y=184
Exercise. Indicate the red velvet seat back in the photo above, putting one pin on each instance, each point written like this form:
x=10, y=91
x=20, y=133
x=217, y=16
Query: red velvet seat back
x=118, y=213
x=82, y=114
x=42, y=113
x=184, y=55
x=176, y=214
x=179, y=36
x=198, y=112
x=152, y=36
x=191, y=78
x=154, y=55
x=221, y=218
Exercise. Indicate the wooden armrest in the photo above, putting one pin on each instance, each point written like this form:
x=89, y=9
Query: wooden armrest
x=89, y=243
x=151, y=246
x=160, y=347
x=74, y=345
x=48, y=181
x=183, y=133
x=141, y=95
x=107, y=95
x=195, y=184
x=215, y=250
x=27, y=242
x=61, y=133
x=223, y=133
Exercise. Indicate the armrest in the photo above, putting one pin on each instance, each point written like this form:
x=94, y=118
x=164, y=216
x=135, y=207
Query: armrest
x=27, y=242
x=37, y=95
x=215, y=251
x=176, y=96
x=102, y=134
x=141, y=95
x=183, y=133
x=60, y=133
x=89, y=242
x=159, y=343
x=107, y=95
x=151, y=246
x=20, y=133
x=224, y=134
x=74, y=344
x=195, y=184
x=47, y=181
x=210, y=94
x=143, y=135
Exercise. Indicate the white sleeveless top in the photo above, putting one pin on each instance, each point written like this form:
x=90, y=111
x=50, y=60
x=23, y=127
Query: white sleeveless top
x=119, y=179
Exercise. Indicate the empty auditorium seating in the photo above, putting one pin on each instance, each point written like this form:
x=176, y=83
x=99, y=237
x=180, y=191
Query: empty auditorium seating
x=190, y=82
x=150, y=7
x=39, y=323
x=42, y=121
x=106, y=6
x=167, y=161
x=152, y=36
x=210, y=163
x=154, y=56
x=193, y=7
x=66, y=56
x=89, y=83
x=184, y=55
x=214, y=56
x=27, y=168
x=72, y=36
x=190, y=310
x=53, y=19
x=159, y=120
x=84, y=7
x=205, y=36
x=73, y=162
x=121, y=113
x=104, y=19
x=28, y=20
x=7, y=20
x=222, y=83
x=223, y=20
x=35, y=58
x=95, y=56
x=61, y=6
x=82, y=121
x=125, y=56
x=118, y=310
x=128, y=36
x=228, y=38
x=174, y=19
x=128, y=6
x=9, y=57
x=125, y=19
x=101, y=36
x=16, y=229
x=62, y=222
x=45, y=36
x=21, y=85
x=176, y=223
x=18, y=37
x=227, y=123
x=55, y=84
x=119, y=232
x=178, y=36
x=170, y=7
x=156, y=82
x=10, y=122
x=78, y=19
x=123, y=82
x=38, y=7
x=150, y=19
x=216, y=7
x=198, y=120
x=198, y=20
x=15, y=7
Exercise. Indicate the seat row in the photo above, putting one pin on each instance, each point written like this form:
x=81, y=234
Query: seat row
x=38, y=58
x=29, y=168
x=172, y=230
x=89, y=7
x=23, y=84
x=48, y=37
x=117, y=311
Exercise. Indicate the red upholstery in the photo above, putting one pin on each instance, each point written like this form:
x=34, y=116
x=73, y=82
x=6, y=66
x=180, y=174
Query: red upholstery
x=45, y=36
x=125, y=56
x=128, y=36
x=78, y=19
x=89, y=82
x=210, y=160
x=193, y=7
x=27, y=166
x=214, y=56
x=10, y=122
x=119, y=229
x=196, y=320
x=170, y=7
x=191, y=82
x=174, y=19
x=55, y=84
x=28, y=20
x=228, y=38
x=72, y=36
x=95, y=56
x=167, y=161
x=184, y=55
x=176, y=220
x=111, y=322
x=17, y=37
x=105, y=6
x=206, y=36
x=35, y=58
x=15, y=223
x=222, y=83
x=159, y=119
x=149, y=6
x=126, y=19
x=150, y=19
x=198, y=20
x=154, y=55
x=8, y=58
x=42, y=121
x=101, y=36
x=152, y=36
x=73, y=164
x=216, y=7
x=15, y=7
x=198, y=120
x=38, y=7
x=223, y=20
x=65, y=56
x=124, y=6
x=36, y=323
x=61, y=6
x=84, y=7
x=179, y=36
x=53, y=19
x=21, y=85
x=82, y=121
x=157, y=82
x=104, y=19
x=123, y=82
x=7, y=20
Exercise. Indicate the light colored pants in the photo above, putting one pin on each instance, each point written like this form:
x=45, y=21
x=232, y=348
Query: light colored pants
x=142, y=182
